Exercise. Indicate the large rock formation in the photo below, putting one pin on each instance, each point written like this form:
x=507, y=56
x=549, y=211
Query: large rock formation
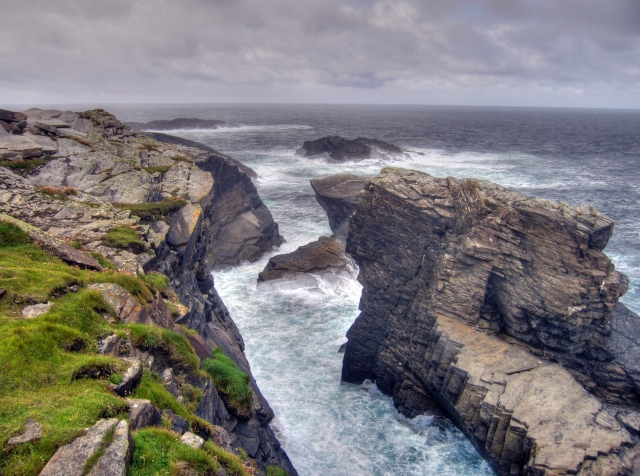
x=500, y=309
x=341, y=149
x=338, y=196
x=112, y=180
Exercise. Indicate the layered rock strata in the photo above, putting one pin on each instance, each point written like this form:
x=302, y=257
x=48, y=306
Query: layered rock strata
x=338, y=196
x=500, y=309
x=341, y=149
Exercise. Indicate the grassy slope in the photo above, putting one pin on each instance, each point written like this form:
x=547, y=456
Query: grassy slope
x=44, y=361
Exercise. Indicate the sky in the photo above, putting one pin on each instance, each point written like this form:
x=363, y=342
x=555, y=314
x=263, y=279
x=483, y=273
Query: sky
x=552, y=53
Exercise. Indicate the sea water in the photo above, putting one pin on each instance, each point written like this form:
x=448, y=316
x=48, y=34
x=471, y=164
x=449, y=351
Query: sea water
x=292, y=333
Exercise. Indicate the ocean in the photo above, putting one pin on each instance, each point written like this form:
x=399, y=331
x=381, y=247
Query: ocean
x=293, y=333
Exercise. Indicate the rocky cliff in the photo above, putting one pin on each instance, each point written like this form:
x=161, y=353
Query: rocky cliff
x=503, y=311
x=102, y=197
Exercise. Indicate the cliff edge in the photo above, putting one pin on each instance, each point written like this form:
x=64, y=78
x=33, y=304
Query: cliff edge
x=502, y=310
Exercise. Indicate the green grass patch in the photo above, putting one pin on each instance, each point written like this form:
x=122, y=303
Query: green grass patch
x=159, y=168
x=231, y=463
x=180, y=353
x=157, y=281
x=124, y=238
x=230, y=381
x=104, y=262
x=116, y=378
x=152, y=389
x=153, y=211
x=276, y=471
x=11, y=235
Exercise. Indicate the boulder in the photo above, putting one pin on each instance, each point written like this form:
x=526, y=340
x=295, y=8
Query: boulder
x=142, y=413
x=497, y=308
x=126, y=306
x=338, y=196
x=341, y=149
x=130, y=379
x=178, y=424
x=192, y=440
x=36, y=310
x=32, y=432
x=183, y=223
x=170, y=382
x=49, y=146
x=117, y=456
x=325, y=255
x=11, y=116
x=71, y=459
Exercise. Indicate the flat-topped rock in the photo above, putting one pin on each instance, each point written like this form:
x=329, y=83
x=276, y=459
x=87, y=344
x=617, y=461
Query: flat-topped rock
x=23, y=145
x=321, y=256
x=11, y=116
x=341, y=149
x=338, y=196
x=502, y=310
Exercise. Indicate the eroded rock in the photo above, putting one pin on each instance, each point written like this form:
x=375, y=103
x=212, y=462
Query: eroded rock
x=498, y=308
x=142, y=413
x=341, y=149
x=338, y=196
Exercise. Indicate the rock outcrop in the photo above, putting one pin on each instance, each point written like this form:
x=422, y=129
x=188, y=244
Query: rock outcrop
x=502, y=310
x=341, y=149
x=338, y=196
x=110, y=189
x=326, y=255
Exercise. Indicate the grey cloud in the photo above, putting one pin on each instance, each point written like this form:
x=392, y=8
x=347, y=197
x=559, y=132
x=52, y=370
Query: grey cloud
x=538, y=51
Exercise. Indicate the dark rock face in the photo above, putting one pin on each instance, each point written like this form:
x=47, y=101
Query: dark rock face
x=499, y=309
x=321, y=256
x=338, y=195
x=179, y=123
x=341, y=149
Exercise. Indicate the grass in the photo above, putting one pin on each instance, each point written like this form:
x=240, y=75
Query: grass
x=160, y=169
x=231, y=382
x=104, y=262
x=180, y=353
x=124, y=238
x=276, y=471
x=157, y=281
x=149, y=148
x=154, y=210
x=182, y=158
x=159, y=452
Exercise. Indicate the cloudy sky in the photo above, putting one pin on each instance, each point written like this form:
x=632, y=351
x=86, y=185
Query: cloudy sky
x=582, y=53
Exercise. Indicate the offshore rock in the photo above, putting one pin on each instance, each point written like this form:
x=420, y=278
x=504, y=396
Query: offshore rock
x=341, y=149
x=325, y=255
x=498, y=308
x=338, y=196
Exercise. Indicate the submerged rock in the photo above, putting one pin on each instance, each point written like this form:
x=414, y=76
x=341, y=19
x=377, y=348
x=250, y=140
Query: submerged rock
x=341, y=149
x=497, y=308
x=338, y=196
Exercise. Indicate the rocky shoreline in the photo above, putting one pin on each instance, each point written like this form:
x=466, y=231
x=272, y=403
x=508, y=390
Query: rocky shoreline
x=499, y=309
x=110, y=199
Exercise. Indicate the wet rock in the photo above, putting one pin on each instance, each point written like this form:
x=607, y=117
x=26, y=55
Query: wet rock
x=338, y=196
x=322, y=256
x=183, y=223
x=341, y=149
x=117, y=456
x=498, y=309
x=192, y=440
x=32, y=432
x=142, y=413
x=70, y=459
x=130, y=379
x=178, y=424
x=36, y=310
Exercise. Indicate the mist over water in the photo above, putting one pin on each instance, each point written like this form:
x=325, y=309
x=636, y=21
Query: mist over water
x=292, y=333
